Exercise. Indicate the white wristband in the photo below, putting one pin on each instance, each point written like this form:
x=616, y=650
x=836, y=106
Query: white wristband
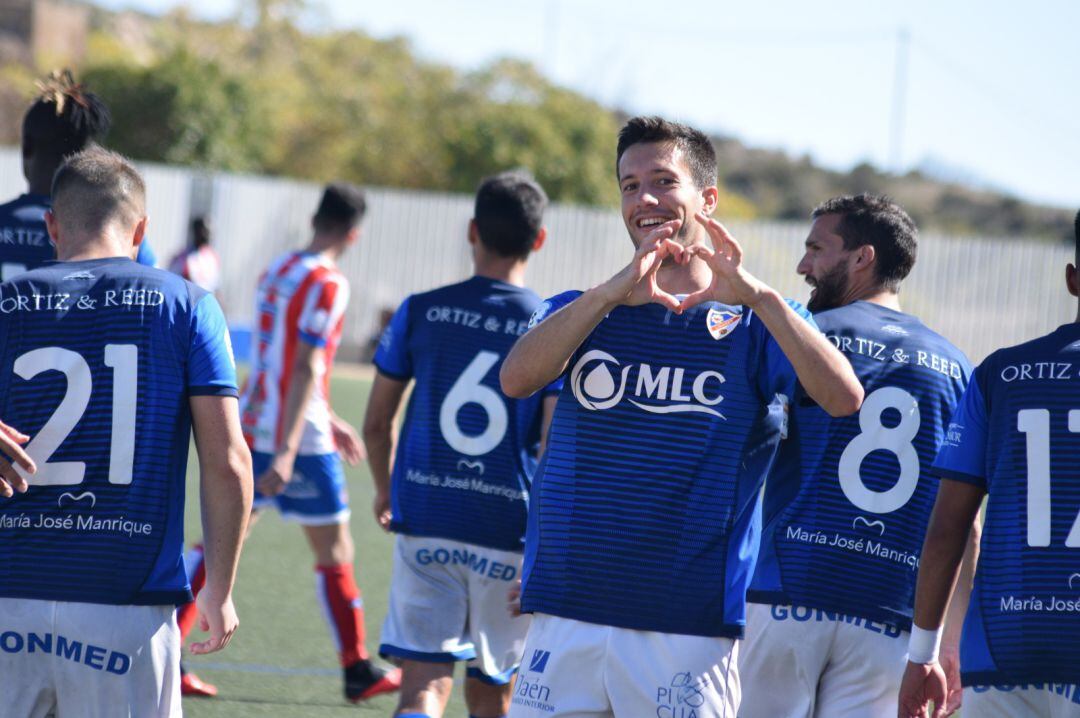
x=923, y=645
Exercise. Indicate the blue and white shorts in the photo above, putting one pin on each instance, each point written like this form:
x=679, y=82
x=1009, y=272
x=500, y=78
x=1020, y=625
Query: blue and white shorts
x=86, y=660
x=316, y=495
x=448, y=602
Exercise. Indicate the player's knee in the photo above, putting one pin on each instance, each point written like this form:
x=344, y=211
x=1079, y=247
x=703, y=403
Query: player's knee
x=485, y=700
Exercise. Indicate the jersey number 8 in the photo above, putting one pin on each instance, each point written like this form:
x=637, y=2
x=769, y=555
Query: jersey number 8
x=875, y=436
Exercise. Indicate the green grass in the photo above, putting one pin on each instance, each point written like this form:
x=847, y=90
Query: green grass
x=281, y=626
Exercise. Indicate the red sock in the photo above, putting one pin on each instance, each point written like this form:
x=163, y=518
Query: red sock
x=196, y=568
x=343, y=610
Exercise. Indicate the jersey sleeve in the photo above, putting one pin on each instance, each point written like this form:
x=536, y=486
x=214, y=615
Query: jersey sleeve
x=777, y=376
x=962, y=455
x=323, y=308
x=211, y=366
x=551, y=305
x=392, y=356
x=542, y=312
x=146, y=254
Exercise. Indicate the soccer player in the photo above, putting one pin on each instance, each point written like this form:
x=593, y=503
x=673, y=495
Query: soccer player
x=1015, y=440
x=847, y=502
x=294, y=435
x=640, y=539
x=107, y=365
x=199, y=262
x=62, y=121
x=458, y=491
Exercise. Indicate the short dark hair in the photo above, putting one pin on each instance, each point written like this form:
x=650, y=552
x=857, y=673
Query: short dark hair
x=509, y=213
x=695, y=144
x=95, y=188
x=200, y=232
x=1076, y=229
x=341, y=208
x=64, y=119
x=881, y=223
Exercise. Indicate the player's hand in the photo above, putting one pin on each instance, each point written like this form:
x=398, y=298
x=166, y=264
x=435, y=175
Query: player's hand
x=218, y=617
x=11, y=442
x=348, y=442
x=513, y=598
x=923, y=684
x=636, y=283
x=949, y=659
x=274, y=480
x=382, y=510
x=731, y=284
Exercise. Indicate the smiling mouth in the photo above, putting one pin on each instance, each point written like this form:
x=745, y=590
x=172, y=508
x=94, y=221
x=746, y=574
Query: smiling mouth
x=648, y=222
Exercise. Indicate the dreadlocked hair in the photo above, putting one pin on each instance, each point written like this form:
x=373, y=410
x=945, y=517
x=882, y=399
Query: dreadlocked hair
x=64, y=118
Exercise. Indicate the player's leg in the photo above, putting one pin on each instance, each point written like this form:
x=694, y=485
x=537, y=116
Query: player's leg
x=316, y=498
x=864, y=671
x=498, y=636
x=425, y=689
x=668, y=674
x=426, y=620
x=562, y=671
x=343, y=608
x=26, y=657
x=116, y=660
x=782, y=647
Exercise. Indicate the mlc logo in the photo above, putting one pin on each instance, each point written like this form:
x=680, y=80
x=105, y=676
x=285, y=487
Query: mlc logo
x=593, y=385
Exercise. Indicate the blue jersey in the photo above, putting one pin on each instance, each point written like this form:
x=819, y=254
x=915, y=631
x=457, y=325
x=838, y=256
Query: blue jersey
x=645, y=512
x=99, y=359
x=24, y=239
x=1017, y=435
x=466, y=453
x=847, y=503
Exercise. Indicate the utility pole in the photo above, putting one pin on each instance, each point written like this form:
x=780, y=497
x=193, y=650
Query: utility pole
x=899, y=101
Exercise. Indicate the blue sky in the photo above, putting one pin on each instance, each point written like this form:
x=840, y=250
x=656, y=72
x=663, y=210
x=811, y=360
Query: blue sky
x=991, y=92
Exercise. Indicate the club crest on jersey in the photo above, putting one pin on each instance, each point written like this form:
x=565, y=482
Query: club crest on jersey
x=721, y=322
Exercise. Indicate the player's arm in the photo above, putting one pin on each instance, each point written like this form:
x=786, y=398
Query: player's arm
x=384, y=401
x=954, y=617
x=823, y=371
x=301, y=388
x=954, y=513
x=347, y=441
x=225, y=500
x=541, y=355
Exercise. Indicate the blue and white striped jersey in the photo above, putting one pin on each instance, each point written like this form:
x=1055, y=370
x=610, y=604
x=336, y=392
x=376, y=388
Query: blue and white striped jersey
x=466, y=453
x=645, y=511
x=847, y=504
x=99, y=359
x=1017, y=434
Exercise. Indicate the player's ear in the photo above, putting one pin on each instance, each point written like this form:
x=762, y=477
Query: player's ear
x=1072, y=279
x=711, y=195
x=53, y=226
x=353, y=235
x=865, y=256
x=541, y=237
x=139, y=233
x=474, y=233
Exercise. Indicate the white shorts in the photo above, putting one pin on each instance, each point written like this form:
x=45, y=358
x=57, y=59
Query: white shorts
x=576, y=669
x=84, y=659
x=448, y=602
x=799, y=662
x=1032, y=701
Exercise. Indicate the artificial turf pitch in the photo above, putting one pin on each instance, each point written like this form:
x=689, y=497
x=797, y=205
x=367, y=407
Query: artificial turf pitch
x=282, y=662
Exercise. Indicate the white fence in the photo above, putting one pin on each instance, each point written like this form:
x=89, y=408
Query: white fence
x=982, y=293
